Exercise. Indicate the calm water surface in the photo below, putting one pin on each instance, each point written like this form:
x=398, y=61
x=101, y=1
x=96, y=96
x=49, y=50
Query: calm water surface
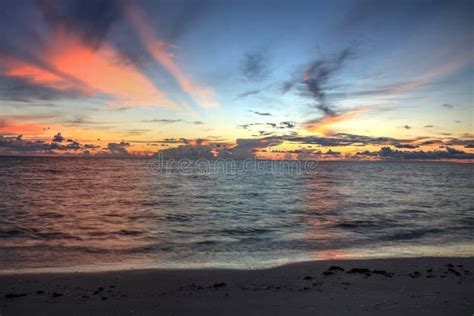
x=100, y=214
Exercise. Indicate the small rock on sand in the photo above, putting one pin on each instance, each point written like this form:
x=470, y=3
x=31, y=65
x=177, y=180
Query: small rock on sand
x=335, y=268
x=359, y=270
x=219, y=285
x=15, y=295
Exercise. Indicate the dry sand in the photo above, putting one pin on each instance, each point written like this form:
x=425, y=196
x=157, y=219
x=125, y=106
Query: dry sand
x=412, y=286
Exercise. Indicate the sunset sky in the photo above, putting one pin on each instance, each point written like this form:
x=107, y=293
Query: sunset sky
x=276, y=79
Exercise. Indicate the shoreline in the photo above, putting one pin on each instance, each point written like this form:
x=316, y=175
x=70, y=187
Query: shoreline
x=119, y=268
x=422, y=285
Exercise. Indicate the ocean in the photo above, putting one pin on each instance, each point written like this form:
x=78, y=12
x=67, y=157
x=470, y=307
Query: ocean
x=95, y=214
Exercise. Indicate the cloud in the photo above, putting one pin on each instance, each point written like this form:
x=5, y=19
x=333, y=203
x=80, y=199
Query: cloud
x=254, y=66
x=15, y=128
x=288, y=124
x=118, y=149
x=314, y=85
x=190, y=151
x=332, y=153
x=406, y=146
x=247, y=148
x=31, y=93
x=163, y=121
x=248, y=93
x=321, y=125
x=276, y=125
x=202, y=95
x=316, y=77
x=90, y=20
x=388, y=153
x=261, y=113
x=429, y=126
x=72, y=67
x=407, y=127
x=447, y=106
x=342, y=139
x=172, y=121
x=58, y=138
x=19, y=146
x=71, y=58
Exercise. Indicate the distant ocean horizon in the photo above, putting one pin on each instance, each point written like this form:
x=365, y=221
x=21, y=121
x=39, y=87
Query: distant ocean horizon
x=100, y=214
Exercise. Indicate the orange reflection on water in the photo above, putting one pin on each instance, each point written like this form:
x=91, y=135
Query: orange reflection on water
x=321, y=218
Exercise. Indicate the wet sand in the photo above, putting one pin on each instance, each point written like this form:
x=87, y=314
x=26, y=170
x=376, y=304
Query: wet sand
x=409, y=286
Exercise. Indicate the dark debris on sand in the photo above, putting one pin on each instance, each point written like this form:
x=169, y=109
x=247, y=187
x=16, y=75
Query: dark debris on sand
x=217, y=285
x=15, y=295
x=359, y=270
x=335, y=268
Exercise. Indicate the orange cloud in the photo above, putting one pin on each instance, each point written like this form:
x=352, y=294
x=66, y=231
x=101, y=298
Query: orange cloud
x=13, y=128
x=36, y=75
x=321, y=125
x=453, y=65
x=202, y=95
x=73, y=65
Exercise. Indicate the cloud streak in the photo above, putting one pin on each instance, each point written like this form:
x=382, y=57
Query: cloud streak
x=202, y=95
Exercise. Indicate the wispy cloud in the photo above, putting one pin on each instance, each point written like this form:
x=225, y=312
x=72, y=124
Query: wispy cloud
x=254, y=66
x=321, y=125
x=72, y=65
x=158, y=49
x=261, y=113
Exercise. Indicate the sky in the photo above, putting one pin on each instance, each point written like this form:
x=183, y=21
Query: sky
x=269, y=79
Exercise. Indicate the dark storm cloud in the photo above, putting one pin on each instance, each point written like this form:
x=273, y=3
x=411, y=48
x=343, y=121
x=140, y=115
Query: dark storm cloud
x=388, y=153
x=254, y=66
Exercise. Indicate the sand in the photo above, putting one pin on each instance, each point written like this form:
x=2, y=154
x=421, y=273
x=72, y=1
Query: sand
x=409, y=286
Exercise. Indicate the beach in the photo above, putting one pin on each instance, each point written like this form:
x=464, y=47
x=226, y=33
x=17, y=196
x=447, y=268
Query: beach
x=403, y=286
